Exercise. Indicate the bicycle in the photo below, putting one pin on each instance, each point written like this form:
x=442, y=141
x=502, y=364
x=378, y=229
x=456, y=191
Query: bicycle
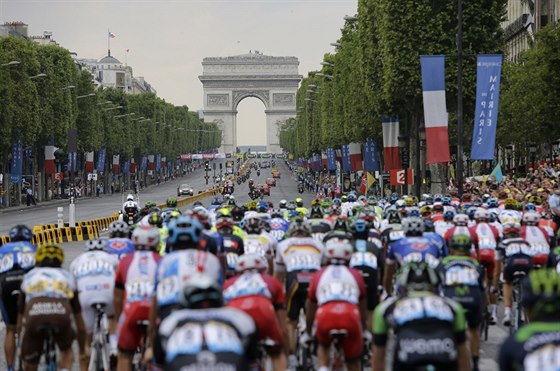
x=517, y=308
x=336, y=356
x=263, y=351
x=100, y=358
x=137, y=361
x=303, y=352
x=49, y=348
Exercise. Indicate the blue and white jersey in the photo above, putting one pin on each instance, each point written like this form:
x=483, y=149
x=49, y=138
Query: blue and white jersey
x=17, y=256
x=278, y=228
x=177, y=267
x=413, y=249
x=119, y=246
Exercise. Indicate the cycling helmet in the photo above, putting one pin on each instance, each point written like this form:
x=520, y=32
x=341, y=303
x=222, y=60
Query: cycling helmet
x=316, y=212
x=282, y=204
x=531, y=218
x=446, y=201
x=338, y=251
x=291, y=205
x=202, y=215
x=425, y=210
x=438, y=207
x=171, y=202
x=360, y=226
x=393, y=217
x=448, y=215
x=461, y=220
x=510, y=203
x=460, y=242
x=21, y=232
x=481, y=215
x=118, y=228
x=340, y=224
x=298, y=227
x=429, y=225
x=511, y=228
x=438, y=197
x=541, y=292
x=145, y=238
x=470, y=212
x=413, y=226
x=200, y=289
x=493, y=203
x=419, y=276
x=351, y=197
x=530, y=207
x=253, y=225
x=49, y=256
x=409, y=201
x=130, y=197
x=299, y=202
x=276, y=213
x=95, y=245
x=224, y=223
x=150, y=204
x=184, y=231
x=413, y=211
x=237, y=213
x=155, y=220
x=251, y=262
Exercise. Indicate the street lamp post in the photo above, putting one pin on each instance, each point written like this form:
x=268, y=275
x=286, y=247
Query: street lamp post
x=403, y=144
x=11, y=63
x=509, y=152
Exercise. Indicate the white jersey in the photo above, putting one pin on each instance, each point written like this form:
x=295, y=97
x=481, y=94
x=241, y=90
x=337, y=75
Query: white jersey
x=298, y=253
x=176, y=268
x=337, y=283
x=441, y=226
x=48, y=282
x=510, y=216
x=258, y=244
x=486, y=236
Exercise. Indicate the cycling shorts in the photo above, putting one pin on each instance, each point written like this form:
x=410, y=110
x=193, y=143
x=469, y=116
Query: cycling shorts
x=263, y=313
x=488, y=259
x=540, y=259
x=470, y=299
x=130, y=332
x=516, y=263
x=46, y=313
x=88, y=312
x=10, y=284
x=369, y=275
x=297, y=284
x=338, y=315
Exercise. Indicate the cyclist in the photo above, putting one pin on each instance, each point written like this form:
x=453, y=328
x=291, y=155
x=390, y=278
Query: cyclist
x=210, y=241
x=263, y=298
x=319, y=226
x=414, y=247
x=171, y=204
x=130, y=213
x=367, y=258
x=94, y=273
x=441, y=226
x=133, y=292
x=488, y=237
x=463, y=282
x=17, y=258
x=119, y=242
x=155, y=220
x=424, y=336
x=278, y=225
x=302, y=210
x=536, y=345
x=256, y=242
x=233, y=245
x=297, y=258
x=49, y=299
x=337, y=301
x=201, y=334
x=391, y=228
x=340, y=230
x=537, y=237
x=516, y=255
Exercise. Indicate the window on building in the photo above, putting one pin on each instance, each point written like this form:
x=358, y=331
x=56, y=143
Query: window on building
x=120, y=79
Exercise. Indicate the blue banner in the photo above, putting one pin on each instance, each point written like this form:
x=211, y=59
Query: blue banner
x=72, y=161
x=29, y=161
x=371, y=159
x=331, y=159
x=101, y=159
x=300, y=162
x=126, y=168
x=158, y=162
x=17, y=163
x=488, y=71
x=144, y=163
x=346, y=165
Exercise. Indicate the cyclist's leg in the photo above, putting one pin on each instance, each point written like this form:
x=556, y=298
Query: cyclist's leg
x=295, y=302
x=9, y=309
x=130, y=335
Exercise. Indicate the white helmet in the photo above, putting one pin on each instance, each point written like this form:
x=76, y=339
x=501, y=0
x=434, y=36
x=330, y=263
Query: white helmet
x=338, y=250
x=130, y=197
x=145, y=238
x=251, y=262
x=481, y=214
x=531, y=218
x=461, y=220
x=129, y=204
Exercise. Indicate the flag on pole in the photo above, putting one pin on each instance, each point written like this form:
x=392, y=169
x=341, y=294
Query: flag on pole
x=346, y=164
x=391, y=143
x=331, y=159
x=111, y=35
x=435, y=111
x=367, y=181
x=355, y=150
x=116, y=164
x=497, y=173
x=49, y=159
x=89, y=162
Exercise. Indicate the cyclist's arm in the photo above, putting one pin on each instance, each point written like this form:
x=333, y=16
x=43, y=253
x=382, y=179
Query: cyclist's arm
x=388, y=276
x=151, y=331
x=311, y=306
x=118, y=297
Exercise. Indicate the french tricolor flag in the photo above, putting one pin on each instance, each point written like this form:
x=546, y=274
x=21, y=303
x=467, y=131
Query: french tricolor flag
x=116, y=164
x=151, y=164
x=49, y=159
x=435, y=111
x=391, y=156
x=89, y=162
x=355, y=150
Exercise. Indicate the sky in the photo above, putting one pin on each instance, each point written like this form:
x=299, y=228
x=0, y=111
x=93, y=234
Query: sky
x=168, y=39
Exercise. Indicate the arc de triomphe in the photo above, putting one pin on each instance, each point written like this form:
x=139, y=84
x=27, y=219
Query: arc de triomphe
x=227, y=81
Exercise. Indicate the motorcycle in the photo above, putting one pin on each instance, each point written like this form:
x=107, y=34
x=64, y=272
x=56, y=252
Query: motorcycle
x=300, y=188
x=258, y=173
x=129, y=218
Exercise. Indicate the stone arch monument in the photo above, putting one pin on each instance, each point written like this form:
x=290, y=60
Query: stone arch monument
x=227, y=81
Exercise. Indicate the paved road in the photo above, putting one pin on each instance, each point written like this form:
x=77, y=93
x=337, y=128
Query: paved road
x=286, y=189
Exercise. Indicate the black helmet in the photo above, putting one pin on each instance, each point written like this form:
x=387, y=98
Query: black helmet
x=198, y=289
x=20, y=233
x=419, y=277
x=340, y=224
x=155, y=219
x=237, y=214
x=316, y=212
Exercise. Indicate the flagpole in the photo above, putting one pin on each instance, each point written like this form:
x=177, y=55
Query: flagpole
x=108, y=42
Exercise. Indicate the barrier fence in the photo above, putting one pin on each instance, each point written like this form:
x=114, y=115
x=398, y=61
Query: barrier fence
x=88, y=229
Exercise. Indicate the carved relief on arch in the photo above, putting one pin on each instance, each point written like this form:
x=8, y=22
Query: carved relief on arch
x=239, y=95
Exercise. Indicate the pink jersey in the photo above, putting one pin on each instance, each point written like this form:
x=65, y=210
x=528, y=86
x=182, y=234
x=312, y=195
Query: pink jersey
x=337, y=283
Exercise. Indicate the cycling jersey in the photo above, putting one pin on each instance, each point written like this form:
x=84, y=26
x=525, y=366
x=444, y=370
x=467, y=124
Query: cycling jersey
x=258, y=244
x=539, y=240
x=258, y=295
x=207, y=339
x=463, y=282
x=319, y=227
x=428, y=330
x=508, y=216
x=48, y=282
x=94, y=272
x=437, y=240
x=173, y=271
x=392, y=233
x=337, y=290
x=119, y=246
x=367, y=259
x=278, y=228
x=413, y=249
x=442, y=226
x=16, y=258
x=135, y=275
x=534, y=346
x=517, y=254
x=299, y=257
x=488, y=237
x=461, y=230
x=233, y=248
